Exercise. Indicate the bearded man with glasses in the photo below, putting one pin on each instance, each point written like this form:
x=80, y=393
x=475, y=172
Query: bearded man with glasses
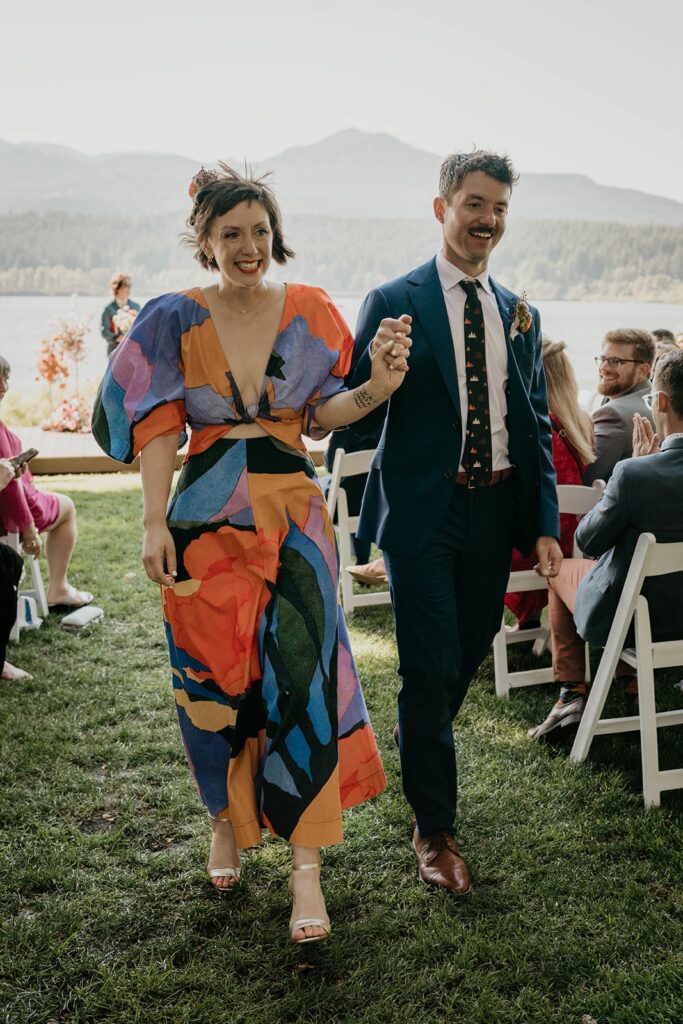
x=624, y=368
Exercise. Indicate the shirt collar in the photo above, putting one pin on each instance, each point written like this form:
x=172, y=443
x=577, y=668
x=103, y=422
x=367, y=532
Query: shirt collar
x=671, y=437
x=450, y=276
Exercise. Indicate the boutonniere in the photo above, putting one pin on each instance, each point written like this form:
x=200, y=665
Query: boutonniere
x=521, y=317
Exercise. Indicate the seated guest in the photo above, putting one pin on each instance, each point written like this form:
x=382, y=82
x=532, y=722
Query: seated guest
x=354, y=486
x=351, y=441
x=572, y=453
x=29, y=512
x=11, y=567
x=624, y=368
x=645, y=494
x=112, y=333
x=663, y=336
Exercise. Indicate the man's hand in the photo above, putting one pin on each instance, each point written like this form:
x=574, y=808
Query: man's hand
x=645, y=441
x=549, y=556
x=395, y=356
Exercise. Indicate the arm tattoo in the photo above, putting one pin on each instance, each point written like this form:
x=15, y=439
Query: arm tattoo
x=362, y=398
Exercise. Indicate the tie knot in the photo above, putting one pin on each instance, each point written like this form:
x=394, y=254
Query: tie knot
x=470, y=288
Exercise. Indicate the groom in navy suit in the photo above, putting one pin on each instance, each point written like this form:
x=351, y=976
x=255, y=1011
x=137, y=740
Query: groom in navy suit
x=463, y=471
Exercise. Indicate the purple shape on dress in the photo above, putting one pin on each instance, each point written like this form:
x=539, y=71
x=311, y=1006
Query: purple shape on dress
x=204, y=405
x=306, y=367
x=350, y=703
x=315, y=531
x=237, y=503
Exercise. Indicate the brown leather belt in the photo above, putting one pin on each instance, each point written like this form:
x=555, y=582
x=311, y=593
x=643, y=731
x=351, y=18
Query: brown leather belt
x=496, y=476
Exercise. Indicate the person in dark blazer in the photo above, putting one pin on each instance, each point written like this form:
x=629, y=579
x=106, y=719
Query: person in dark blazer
x=463, y=471
x=644, y=495
x=624, y=368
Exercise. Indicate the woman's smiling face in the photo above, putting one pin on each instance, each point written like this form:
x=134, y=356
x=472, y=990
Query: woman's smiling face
x=241, y=242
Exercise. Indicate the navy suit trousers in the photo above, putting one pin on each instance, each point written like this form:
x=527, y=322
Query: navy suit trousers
x=448, y=604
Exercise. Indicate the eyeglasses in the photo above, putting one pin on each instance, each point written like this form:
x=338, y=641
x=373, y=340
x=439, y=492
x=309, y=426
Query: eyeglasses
x=614, y=362
x=650, y=399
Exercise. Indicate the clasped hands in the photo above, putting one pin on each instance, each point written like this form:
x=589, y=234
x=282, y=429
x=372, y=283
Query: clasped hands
x=389, y=351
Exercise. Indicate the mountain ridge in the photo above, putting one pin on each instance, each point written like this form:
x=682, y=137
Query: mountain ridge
x=350, y=173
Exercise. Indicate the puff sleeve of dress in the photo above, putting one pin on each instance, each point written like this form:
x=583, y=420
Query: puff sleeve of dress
x=328, y=326
x=142, y=394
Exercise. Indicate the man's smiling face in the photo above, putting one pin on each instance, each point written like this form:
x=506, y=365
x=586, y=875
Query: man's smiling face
x=473, y=221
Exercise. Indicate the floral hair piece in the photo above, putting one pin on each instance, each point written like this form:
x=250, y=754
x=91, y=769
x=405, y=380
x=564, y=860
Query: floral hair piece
x=200, y=180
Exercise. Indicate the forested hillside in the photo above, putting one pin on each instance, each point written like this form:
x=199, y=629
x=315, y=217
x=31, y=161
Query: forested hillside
x=57, y=252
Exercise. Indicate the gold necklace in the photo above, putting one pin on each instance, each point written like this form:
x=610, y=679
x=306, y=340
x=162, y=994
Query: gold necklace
x=244, y=312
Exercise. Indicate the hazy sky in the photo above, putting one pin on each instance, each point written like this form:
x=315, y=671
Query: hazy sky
x=588, y=87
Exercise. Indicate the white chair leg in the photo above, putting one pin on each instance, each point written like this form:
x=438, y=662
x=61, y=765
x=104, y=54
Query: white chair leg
x=39, y=586
x=596, y=699
x=500, y=662
x=345, y=558
x=649, y=752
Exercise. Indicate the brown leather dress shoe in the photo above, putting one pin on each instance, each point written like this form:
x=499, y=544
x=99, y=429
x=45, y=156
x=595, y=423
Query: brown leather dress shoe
x=440, y=862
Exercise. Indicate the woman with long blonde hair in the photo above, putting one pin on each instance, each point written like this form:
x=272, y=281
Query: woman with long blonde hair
x=572, y=452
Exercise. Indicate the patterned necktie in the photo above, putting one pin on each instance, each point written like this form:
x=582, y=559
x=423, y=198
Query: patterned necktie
x=477, y=457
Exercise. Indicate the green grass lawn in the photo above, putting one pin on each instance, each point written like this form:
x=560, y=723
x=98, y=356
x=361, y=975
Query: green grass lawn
x=107, y=915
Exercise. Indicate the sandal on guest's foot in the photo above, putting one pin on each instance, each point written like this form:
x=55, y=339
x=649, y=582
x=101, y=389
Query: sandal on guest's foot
x=301, y=924
x=14, y=674
x=224, y=877
x=72, y=600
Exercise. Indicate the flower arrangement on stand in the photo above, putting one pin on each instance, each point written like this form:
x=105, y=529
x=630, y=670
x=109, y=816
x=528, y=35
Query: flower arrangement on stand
x=66, y=345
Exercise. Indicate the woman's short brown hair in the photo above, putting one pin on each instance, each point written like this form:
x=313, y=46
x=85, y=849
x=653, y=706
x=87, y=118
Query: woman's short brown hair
x=215, y=193
x=120, y=281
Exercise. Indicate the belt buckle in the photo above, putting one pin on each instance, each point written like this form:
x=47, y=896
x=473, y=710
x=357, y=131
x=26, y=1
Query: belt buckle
x=471, y=485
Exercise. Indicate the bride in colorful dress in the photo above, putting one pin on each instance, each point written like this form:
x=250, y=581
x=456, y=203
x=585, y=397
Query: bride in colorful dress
x=271, y=711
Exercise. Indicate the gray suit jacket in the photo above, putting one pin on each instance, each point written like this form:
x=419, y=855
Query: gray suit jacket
x=645, y=495
x=614, y=431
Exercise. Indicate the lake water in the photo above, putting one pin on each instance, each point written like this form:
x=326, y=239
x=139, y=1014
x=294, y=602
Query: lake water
x=24, y=320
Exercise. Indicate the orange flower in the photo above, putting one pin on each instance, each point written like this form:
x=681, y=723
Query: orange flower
x=218, y=623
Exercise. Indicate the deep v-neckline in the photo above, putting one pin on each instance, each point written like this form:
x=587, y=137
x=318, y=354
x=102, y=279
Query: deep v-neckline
x=237, y=391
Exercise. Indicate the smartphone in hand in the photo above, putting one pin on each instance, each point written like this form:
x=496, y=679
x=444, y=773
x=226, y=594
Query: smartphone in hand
x=18, y=461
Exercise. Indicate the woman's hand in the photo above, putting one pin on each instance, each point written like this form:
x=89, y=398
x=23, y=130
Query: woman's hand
x=7, y=473
x=389, y=352
x=645, y=441
x=158, y=550
x=30, y=541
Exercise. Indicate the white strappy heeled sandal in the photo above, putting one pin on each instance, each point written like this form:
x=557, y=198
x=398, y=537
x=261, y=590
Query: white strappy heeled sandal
x=306, y=922
x=234, y=873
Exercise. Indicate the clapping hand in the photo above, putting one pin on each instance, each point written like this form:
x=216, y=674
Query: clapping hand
x=389, y=352
x=645, y=441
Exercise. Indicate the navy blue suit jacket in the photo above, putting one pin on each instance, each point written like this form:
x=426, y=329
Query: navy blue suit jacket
x=413, y=472
x=644, y=495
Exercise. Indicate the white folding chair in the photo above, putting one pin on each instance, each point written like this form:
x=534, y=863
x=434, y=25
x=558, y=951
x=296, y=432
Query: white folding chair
x=37, y=592
x=346, y=465
x=649, y=559
x=573, y=500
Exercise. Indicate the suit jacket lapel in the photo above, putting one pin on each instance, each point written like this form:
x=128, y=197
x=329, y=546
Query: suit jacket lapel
x=427, y=298
x=506, y=308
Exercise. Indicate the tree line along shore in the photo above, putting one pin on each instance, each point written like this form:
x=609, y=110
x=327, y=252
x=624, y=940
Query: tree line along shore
x=56, y=253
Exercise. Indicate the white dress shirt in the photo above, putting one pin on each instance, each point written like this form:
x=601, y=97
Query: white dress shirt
x=496, y=353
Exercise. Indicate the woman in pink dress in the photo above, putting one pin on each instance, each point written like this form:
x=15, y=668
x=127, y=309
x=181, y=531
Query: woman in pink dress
x=29, y=512
x=572, y=452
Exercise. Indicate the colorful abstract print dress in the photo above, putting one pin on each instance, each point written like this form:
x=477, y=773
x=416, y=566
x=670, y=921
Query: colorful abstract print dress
x=271, y=711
